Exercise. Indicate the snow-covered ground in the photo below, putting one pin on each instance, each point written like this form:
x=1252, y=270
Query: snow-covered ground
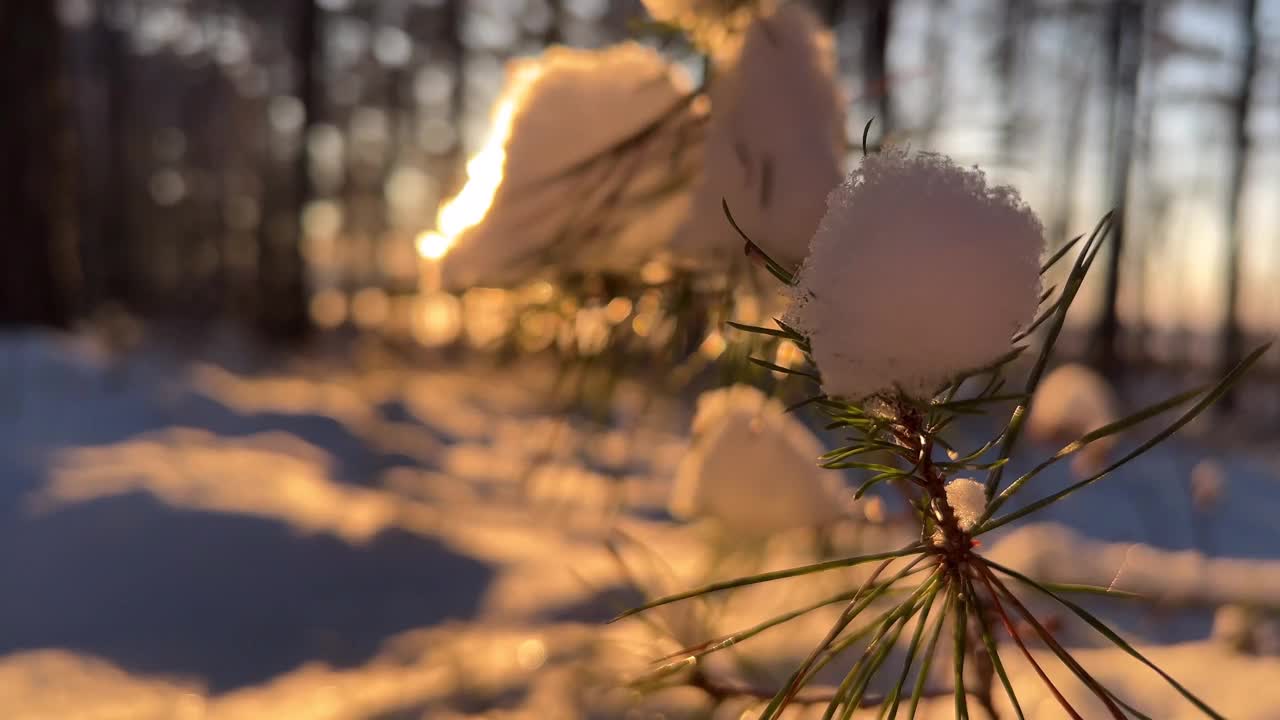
x=185, y=539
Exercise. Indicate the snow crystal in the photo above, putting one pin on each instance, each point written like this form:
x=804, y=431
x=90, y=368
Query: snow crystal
x=968, y=499
x=535, y=177
x=775, y=143
x=753, y=468
x=1073, y=400
x=919, y=271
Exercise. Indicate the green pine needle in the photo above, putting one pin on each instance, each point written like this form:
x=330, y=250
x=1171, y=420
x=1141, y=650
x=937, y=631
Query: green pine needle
x=785, y=370
x=930, y=652
x=1210, y=398
x=1091, y=437
x=1083, y=262
x=961, y=631
x=1059, y=253
x=771, y=576
x=891, y=704
x=1111, y=635
x=994, y=653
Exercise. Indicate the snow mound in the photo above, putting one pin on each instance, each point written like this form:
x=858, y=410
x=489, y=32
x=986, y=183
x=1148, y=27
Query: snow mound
x=273, y=475
x=539, y=179
x=1054, y=553
x=41, y=356
x=775, y=143
x=282, y=394
x=1073, y=400
x=1235, y=686
x=89, y=688
x=752, y=468
x=529, y=672
x=919, y=271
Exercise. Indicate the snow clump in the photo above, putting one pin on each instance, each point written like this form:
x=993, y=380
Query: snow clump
x=752, y=468
x=774, y=144
x=539, y=173
x=968, y=498
x=919, y=272
x=1071, y=401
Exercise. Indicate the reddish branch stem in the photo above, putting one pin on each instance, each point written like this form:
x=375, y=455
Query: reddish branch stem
x=912, y=434
x=845, y=618
x=1057, y=648
x=1013, y=632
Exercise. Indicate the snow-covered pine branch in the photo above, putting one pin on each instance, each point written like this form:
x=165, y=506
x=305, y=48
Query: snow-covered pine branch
x=920, y=271
x=586, y=146
x=752, y=468
x=775, y=142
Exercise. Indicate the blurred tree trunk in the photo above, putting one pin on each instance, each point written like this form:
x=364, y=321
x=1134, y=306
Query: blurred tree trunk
x=1144, y=172
x=1124, y=38
x=554, y=33
x=1233, y=333
x=937, y=41
x=115, y=249
x=452, y=21
x=1013, y=25
x=877, y=27
x=831, y=11
x=282, y=282
x=1072, y=109
x=39, y=259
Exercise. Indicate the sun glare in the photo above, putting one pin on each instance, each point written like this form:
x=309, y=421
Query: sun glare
x=432, y=245
x=484, y=171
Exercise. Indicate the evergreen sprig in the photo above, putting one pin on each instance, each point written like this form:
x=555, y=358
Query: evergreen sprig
x=897, y=439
